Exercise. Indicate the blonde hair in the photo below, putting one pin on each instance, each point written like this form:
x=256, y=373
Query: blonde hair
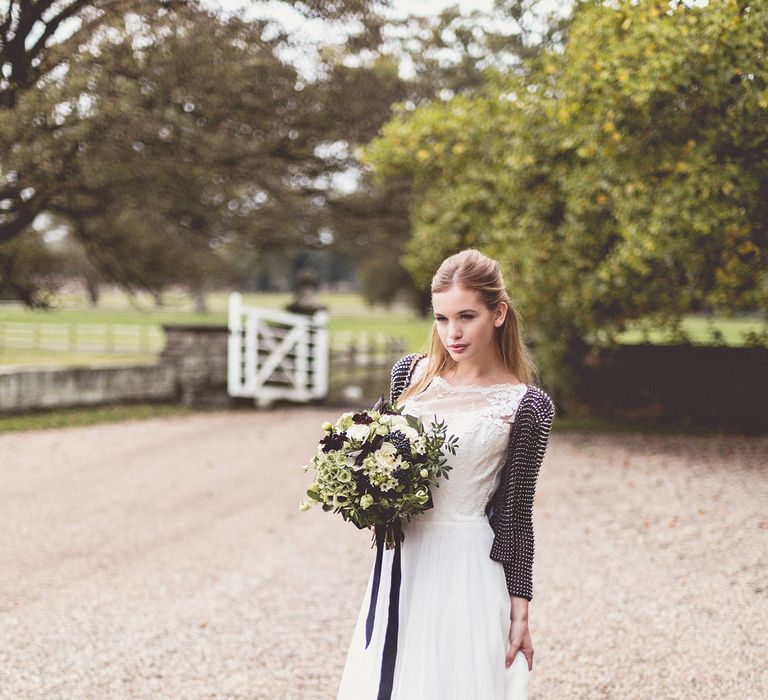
x=472, y=270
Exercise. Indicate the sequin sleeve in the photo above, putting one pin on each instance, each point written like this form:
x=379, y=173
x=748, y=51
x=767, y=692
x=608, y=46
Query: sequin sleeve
x=512, y=513
x=400, y=375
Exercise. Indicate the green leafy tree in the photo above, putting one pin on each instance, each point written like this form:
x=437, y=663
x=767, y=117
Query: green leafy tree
x=623, y=178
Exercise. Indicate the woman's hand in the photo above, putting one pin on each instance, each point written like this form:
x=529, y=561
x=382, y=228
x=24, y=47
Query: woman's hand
x=519, y=639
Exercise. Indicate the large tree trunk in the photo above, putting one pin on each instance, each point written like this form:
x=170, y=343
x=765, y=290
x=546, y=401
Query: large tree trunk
x=94, y=291
x=201, y=307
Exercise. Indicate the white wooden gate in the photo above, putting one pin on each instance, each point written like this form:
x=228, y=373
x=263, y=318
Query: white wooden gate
x=275, y=354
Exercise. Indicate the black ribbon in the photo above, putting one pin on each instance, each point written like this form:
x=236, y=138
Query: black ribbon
x=379, y=534
x=389, y=653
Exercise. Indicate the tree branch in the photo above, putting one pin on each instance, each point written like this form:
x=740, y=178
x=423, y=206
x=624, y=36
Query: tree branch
x=53, y=24
x=24, y=218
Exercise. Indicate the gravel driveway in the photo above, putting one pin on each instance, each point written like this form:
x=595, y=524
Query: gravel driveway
x=167, y=558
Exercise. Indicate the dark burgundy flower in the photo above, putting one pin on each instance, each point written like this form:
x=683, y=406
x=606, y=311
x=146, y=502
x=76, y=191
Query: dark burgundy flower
x=333, y=442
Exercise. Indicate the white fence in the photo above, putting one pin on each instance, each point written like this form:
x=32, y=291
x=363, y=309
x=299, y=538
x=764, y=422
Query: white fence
x=81, y=337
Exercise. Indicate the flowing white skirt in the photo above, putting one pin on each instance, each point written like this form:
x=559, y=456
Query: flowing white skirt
x=454, y=619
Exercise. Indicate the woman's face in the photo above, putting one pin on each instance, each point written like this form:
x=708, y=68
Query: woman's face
x=463, y=320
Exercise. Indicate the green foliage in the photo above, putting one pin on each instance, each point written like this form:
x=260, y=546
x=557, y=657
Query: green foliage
x=622, y=178
x=179, y=142
x=28, y=255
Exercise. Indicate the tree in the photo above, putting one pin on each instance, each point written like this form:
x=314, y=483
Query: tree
x=622, y=179
x=450, y=54
x=173, y=138
x=30, y=57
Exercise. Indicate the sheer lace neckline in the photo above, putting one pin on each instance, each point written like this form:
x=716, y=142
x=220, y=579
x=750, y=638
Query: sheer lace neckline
x=478, y=387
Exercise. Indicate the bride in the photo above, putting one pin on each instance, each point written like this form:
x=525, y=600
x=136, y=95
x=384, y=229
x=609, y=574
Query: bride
x=461, y=623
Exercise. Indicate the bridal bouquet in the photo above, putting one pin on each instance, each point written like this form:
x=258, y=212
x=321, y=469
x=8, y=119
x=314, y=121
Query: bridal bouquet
x=378, y=465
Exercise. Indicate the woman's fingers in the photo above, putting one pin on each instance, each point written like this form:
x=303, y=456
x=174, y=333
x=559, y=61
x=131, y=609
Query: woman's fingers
x=514, y=644
x=519, y=643
x=510, y=656
x=529, y=657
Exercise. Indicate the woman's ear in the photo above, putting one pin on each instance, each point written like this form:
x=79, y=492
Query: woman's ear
x=501, y=314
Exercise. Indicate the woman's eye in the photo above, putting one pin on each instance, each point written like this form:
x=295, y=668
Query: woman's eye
x=463, y=316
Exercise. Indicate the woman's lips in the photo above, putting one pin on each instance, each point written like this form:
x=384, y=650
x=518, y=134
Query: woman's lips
x=457, y=348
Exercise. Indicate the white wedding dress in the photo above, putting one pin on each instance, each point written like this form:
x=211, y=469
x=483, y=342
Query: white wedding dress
x=454, y=613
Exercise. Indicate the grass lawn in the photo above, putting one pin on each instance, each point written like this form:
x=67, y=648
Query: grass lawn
x=699, y=327
x=116, y=307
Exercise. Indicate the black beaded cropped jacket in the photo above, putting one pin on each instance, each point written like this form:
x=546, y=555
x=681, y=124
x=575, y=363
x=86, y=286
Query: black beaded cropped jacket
x=510, y=509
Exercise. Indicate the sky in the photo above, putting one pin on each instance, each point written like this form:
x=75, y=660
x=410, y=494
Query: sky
x=402, y=7
x=312, y=32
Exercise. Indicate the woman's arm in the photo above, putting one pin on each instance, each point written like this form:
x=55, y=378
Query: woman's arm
x=518, y=608
x=514, y=542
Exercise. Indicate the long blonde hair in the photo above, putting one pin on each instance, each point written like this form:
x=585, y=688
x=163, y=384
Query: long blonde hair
x=472, y=270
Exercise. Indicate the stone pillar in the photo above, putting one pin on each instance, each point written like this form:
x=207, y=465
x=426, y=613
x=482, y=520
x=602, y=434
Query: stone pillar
x=199, y=355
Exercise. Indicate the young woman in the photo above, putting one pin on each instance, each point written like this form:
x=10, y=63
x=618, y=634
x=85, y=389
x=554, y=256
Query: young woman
x=465, y=564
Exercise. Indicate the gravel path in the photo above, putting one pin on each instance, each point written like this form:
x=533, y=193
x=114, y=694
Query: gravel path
x=167, y=558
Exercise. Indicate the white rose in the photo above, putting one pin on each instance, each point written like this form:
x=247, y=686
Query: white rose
x=359, y=431
x=386, y=456
x=397, y=421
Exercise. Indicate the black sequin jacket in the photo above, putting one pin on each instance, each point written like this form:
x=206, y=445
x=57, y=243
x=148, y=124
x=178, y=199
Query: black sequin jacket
x=510, y=509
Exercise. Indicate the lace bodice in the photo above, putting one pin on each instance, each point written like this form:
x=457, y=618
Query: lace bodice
x=480, y=417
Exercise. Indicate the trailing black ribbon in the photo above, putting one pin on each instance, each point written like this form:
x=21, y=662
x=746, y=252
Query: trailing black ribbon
x=389, y=653
x=379, y=533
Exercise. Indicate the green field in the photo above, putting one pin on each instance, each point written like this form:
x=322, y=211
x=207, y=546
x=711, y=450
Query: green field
x=349, y=314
